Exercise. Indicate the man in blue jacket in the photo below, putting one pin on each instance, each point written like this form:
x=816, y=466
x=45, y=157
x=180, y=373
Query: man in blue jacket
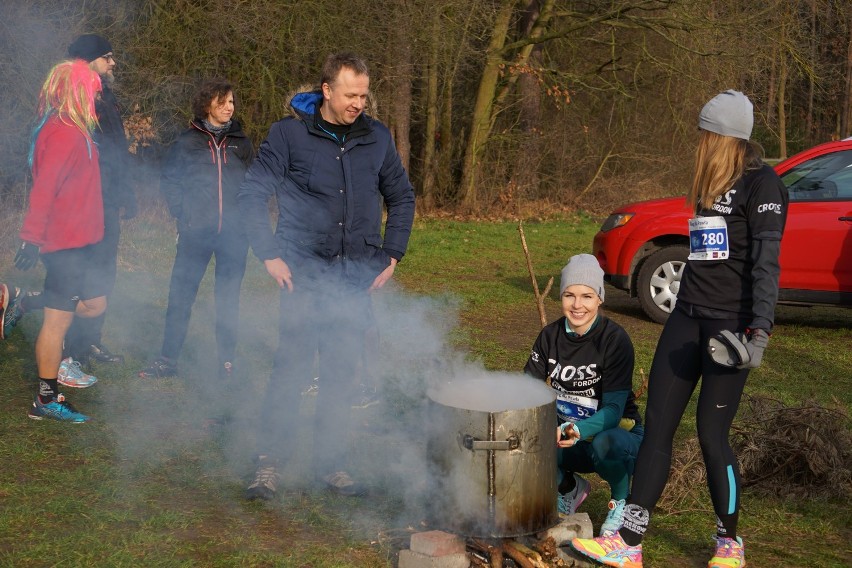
x=331, y=168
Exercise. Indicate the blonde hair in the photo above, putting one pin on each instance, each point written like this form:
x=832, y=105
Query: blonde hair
x=719, y=162
x=70, y=91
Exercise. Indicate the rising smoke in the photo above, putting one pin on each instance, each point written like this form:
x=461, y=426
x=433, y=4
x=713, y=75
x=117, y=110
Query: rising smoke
x=209, y=427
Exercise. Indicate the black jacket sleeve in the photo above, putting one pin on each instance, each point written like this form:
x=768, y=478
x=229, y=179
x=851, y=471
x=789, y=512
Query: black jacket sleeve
x=263, y=178
x=115, y=162
x=398, y=194
x=765, y=274
x=171, y=179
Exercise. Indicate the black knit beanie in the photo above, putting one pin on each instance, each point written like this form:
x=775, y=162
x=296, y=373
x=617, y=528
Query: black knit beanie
x=89, y=47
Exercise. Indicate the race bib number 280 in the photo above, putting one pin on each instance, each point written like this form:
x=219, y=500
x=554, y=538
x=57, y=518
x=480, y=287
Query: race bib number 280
x=708, y=238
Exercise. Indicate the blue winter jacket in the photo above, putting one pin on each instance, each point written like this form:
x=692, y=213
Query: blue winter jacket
x=329, y=197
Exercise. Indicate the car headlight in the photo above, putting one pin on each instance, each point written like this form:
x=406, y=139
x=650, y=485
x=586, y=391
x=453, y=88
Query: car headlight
x=616, y=220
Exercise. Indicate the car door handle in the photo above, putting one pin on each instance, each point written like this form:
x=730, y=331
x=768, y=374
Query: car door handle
x=846, y=218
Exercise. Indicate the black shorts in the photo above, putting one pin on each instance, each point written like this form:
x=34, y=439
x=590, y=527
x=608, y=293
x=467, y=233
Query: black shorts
x=70, y=278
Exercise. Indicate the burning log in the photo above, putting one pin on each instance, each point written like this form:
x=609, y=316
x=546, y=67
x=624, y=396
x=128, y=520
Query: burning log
x=523, y=556
x=534, y=554
x=494, y=551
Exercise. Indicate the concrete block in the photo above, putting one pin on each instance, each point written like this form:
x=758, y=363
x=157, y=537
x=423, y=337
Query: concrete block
x=411, y=559
x=577, y=525
x=437, y=543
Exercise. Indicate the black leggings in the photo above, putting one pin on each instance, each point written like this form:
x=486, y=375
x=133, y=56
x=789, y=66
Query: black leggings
x=680, y=359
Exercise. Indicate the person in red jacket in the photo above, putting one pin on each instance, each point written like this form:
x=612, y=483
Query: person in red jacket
x=64, y=219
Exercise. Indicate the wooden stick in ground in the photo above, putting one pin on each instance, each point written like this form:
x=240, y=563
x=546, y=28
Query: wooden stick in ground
x=539, y=297
x=644, y=386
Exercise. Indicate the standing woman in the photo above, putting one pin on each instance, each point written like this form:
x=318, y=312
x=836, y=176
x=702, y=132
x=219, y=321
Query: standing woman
x=200, y=180
x=65, y=218
x=717, y=332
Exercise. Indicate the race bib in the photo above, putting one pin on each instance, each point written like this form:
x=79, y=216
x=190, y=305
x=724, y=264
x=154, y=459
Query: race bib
x=708, y=238
x=573, y=408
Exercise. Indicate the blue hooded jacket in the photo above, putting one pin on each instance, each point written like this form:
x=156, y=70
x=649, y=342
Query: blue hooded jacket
x=329, y=196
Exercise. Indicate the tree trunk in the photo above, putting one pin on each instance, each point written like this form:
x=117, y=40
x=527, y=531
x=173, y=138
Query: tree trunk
x=809, y=117
x=481, y=120
x=401, y=105
x=846, y=114
x=429, y=164
x=782, y=111
x=446, y=138
x=525, y=176
x=772, y=87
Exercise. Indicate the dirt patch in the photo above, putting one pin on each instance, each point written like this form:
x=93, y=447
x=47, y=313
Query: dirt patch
x=517, y=327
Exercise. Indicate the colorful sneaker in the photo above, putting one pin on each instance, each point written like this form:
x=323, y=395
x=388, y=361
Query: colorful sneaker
x=266, y=479
x=58, y=409
x=4, y=303
x=160, y=368
x=13, y=313
x=614, y=518
x=568, y=503
x=366, y=397
x=730, y=553
x=610, y=551
x=313, y=389
x=72, y=375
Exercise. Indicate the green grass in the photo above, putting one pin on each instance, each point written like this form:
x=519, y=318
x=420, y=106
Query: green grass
x=151, y=483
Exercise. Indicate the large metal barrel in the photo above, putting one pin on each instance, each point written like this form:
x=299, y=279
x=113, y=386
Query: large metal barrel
x=493, y=453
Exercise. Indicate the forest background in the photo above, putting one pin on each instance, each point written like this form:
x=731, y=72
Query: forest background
x=498, y=107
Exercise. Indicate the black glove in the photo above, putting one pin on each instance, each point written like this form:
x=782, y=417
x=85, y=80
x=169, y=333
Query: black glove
x=740, y=350
x=27, y=256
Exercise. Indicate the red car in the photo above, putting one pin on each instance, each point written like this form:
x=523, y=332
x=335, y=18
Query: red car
x=643, y=247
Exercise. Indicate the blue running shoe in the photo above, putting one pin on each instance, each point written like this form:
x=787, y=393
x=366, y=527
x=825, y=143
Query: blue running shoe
x=614, y=518
x=13, y=312
x=568, y=503
x=72, y=375
x=58, y=409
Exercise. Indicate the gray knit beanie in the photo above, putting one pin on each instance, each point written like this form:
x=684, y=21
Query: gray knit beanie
x=729, y=114
x=583, y=269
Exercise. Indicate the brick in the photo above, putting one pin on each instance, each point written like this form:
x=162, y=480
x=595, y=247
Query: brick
x=411, y=559
x=437, y=543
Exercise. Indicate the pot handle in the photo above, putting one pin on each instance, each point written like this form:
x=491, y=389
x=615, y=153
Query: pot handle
x=473, y=444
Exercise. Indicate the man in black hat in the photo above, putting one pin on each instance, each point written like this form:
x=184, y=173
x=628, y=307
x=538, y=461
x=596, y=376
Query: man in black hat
x=83, y=341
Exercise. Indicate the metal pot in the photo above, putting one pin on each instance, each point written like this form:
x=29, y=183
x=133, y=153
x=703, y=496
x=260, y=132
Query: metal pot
x=493, y=453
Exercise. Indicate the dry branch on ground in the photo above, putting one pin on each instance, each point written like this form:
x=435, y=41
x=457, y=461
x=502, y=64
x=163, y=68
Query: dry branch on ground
x=802, y=451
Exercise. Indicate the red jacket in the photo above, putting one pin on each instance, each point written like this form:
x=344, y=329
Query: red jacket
x=66, y=208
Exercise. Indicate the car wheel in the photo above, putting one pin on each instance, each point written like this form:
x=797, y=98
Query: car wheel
x=659, y=281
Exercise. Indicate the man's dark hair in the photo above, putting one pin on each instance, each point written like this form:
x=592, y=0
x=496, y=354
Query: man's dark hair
x=337, y=61
x=208, y=92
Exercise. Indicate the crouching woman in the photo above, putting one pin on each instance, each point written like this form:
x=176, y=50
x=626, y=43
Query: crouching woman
x=588, y=360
